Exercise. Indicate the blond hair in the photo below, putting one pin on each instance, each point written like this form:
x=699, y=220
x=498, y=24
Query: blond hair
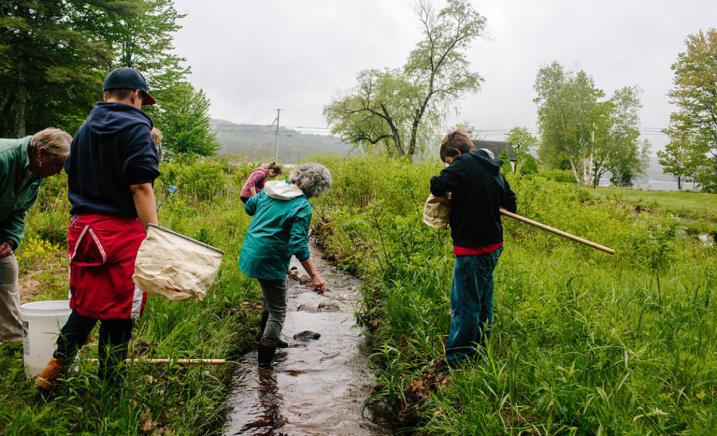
x=157, y=136
x=56, y=141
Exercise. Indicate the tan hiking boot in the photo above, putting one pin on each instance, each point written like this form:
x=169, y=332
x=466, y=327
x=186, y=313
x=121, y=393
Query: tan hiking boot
x=54, y=369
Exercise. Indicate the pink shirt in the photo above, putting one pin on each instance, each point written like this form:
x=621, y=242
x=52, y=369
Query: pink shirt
x=256, y=179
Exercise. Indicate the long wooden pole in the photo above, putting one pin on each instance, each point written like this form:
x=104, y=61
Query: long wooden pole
x=176, y=361
x=556, y=231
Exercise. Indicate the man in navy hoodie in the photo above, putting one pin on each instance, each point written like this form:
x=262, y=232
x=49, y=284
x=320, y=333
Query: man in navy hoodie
x=111, y=168
x=478, y=191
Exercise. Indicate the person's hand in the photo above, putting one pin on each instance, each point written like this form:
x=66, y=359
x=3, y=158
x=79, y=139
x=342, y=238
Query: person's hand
x=319, y=284
x=6, y=249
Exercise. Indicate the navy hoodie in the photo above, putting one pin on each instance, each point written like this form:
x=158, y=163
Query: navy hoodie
x=111, y=151
x=478, y=190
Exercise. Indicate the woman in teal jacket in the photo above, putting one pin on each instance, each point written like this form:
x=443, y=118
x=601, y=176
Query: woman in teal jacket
x=279, y=230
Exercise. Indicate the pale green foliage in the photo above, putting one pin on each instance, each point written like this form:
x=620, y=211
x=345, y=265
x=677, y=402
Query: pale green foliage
x=693, y=127
x=166, y=399
x=567, y=111
x=678, y=159
x=378, y=112
x=522, y=141
x=584, y=133
x=200, y=179
x=401, y=109
x=583, y=342
x=505, y=167
x=182, y=113
x=624, y=156
x=528, y=165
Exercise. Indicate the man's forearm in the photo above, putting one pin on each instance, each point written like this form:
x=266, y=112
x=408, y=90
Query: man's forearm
x=13, y=228
x=145, y=203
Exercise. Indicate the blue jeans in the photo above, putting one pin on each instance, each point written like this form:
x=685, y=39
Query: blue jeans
x=471, y=304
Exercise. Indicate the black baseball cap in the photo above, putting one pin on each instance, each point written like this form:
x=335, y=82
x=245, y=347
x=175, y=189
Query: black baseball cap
x=129, y=78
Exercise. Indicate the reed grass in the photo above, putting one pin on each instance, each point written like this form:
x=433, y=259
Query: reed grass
x=583, y=342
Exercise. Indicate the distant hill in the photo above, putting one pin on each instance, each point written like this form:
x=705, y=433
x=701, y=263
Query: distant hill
x=256, y=142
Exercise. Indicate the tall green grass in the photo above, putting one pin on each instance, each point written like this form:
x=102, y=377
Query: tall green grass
x=181, y=400
x=698, y=206
x=583, y=342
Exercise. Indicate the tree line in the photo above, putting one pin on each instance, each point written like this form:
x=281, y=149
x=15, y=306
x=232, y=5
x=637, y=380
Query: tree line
x=55, y=54
x=692, y=151
x=586, y=133
x=399, y=111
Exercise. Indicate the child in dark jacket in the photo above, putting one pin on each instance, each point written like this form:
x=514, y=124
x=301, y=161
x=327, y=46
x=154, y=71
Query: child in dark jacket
x=110, y=170
x=478, y=191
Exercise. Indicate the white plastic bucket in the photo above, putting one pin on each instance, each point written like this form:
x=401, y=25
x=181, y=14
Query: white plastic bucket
x=41, y=324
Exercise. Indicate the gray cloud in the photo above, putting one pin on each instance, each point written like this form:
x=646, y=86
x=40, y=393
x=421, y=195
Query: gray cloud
x=254, y=56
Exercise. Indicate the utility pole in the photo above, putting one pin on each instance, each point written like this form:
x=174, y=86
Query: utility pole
x=276, y=151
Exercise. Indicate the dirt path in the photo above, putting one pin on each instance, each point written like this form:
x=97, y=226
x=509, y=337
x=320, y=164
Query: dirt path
x=318, y=386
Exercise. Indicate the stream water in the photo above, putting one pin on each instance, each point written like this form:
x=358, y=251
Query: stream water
x=317, y=387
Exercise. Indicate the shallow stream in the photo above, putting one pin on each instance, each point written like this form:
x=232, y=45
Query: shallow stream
x=317, y=387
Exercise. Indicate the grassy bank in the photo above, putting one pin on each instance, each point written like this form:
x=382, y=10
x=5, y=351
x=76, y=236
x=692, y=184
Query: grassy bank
x=698, y=206
x=158, y=398
x=583, y=342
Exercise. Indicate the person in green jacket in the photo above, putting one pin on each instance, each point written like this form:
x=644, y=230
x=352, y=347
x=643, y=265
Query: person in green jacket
x=24, y=163
x=279, y=230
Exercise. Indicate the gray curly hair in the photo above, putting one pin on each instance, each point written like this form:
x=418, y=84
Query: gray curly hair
x=313, y=179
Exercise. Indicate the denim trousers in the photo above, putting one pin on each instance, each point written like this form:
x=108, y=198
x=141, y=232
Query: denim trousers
x=471, y=304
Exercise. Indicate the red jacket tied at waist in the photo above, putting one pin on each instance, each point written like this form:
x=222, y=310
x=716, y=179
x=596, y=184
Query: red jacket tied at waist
x=102, y=252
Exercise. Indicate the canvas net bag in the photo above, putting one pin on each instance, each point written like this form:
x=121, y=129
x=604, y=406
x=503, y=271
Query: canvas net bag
x=437, y=212
x=175, y=266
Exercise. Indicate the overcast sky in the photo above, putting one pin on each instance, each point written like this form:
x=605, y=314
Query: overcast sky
x=253, y=56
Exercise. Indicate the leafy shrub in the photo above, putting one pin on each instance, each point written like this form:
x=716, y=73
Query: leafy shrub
x=528, y=165
x=221, y=326
x=506, y=167
x=563, y=176
x=201, y=179
x=36, y=252
x=583, y=342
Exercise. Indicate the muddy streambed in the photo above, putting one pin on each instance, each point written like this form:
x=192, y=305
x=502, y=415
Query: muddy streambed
x=317, y=386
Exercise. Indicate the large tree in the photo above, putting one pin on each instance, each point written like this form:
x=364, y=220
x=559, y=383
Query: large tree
x=51, y=66
x=183, y=116
x=620, y=151
x=378, y=112
x=693, y=127
x=145, y=40
x=568, y=111
x=679, y=159
x=522, y=141
x=397, y=108
x=585, y=133
x=54, y=55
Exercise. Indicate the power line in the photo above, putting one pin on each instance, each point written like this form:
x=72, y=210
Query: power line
x=276, y=153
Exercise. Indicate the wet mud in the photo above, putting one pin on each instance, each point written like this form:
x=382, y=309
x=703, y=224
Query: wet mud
x=318, y=385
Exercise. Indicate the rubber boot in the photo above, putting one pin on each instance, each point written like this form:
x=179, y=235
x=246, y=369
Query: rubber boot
x=262, y=325
x=267, y=348
x=54, y=369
